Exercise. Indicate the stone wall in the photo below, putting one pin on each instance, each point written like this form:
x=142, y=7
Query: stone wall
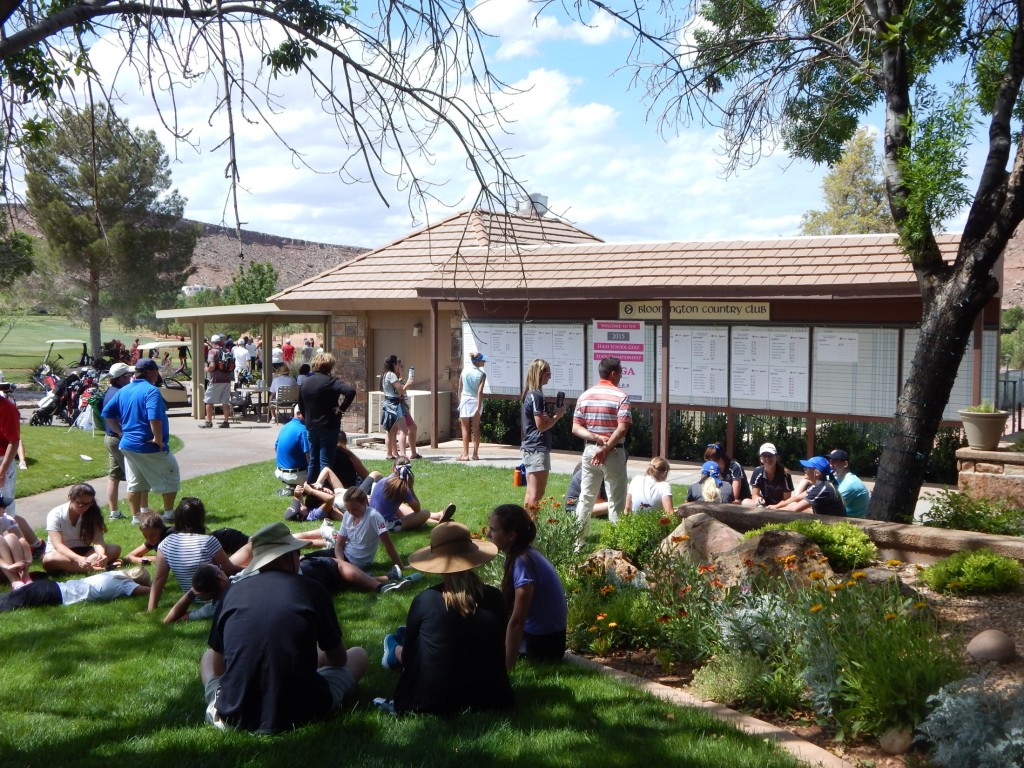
x=348, y=343
x=992, y=474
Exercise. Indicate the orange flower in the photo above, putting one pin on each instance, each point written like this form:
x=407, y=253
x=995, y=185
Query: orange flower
x=602, y=616
x=607, y=589
x=664, y=618
x=717, y=582
x=890, y=616
x=685, y=590
x=677, y=539
x=702, y=569
x=556, y=505
x=665, y=521
x=682, y=613
x=552, y=520
x=790, y=566
x=748, y=562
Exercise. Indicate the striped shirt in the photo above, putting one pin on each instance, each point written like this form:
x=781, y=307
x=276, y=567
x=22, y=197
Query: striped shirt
x=602, y=408
x=185, y=552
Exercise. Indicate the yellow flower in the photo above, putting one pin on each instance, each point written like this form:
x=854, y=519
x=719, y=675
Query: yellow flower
x=851, y=583
x=835, y=587
x=858, y=574
x=816, y=575
x=920, y=604
x=894, y=563
x=890, y=616
x=592, y=629
x=816, y=607
x=612, y=625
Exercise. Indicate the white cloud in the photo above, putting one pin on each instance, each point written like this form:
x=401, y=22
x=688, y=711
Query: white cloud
x=521, y=28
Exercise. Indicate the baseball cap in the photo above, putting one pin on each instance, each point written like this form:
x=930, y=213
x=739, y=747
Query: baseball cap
x=117, y=370
x=767, y=448
x=478, y=357
x=819, y=463
x=216, y=337
x=839, y=455
x=147, y=364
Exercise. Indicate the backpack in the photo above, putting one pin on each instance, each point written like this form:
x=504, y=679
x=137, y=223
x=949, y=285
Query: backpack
x=225, y=361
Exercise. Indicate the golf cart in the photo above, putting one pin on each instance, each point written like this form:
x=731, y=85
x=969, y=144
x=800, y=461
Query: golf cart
x=84, y=359
x=175, y=393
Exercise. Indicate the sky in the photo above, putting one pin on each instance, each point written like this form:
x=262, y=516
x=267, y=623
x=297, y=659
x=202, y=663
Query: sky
x=578, y=134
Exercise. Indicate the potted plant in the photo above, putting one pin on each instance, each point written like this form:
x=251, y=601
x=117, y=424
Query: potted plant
x=983, y=425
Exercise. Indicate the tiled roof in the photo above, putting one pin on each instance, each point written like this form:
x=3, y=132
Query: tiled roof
x=394, y=271
x=859, y=265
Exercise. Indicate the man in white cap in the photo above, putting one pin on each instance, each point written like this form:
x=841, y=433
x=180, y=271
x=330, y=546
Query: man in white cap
x=276, y=659
x=220, y=366
x=120, y=375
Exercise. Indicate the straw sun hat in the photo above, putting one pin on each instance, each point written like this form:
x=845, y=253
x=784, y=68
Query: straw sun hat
x=452, y=550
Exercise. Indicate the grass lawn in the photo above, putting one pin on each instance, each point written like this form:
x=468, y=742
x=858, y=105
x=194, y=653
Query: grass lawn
x=54, y=457
x=93, y=684
x=25, y=347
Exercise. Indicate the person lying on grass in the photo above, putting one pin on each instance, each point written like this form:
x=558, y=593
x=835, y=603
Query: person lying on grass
x=398, y=504
x=103, y=586
x=531, y=588
x=154, y=530
x=74, y=535
x=346, y=471
x=186, y=549
x=209, y=585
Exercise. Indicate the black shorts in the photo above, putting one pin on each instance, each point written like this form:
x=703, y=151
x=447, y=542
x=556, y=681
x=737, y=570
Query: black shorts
x=545, y=647
x=230, y=539
x=42, y=592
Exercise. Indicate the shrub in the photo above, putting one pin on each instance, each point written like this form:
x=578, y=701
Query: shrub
x=844, y=544
x=972, y=726
x=963, y=512
x=974, y=572
x=730, y=678
x=603, y=617
x=942, y=466
x=638, y=534
x=872, y=657
x=558, y=534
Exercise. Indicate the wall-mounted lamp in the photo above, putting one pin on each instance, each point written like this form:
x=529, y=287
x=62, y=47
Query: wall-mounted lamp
x=417, y=329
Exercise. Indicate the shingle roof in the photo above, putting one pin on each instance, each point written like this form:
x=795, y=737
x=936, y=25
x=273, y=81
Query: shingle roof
x=858, y=265
x=393, y=271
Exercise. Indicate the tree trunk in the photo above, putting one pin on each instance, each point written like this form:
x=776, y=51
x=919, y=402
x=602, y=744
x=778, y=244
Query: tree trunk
x=95, y=316
x=951, y=301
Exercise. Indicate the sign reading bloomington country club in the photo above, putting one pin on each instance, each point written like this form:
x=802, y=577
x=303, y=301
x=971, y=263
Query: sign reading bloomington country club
x=697, y=311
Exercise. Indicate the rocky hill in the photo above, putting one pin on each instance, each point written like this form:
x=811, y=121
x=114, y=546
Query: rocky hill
x=219, y=253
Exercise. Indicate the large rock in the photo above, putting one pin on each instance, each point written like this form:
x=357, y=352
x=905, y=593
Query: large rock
x=616, y=568
x=700, y=537
x=992, y=645
x=897, y=741
x=774, y=553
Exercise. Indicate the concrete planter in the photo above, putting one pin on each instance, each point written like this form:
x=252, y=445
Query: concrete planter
x=983, y=430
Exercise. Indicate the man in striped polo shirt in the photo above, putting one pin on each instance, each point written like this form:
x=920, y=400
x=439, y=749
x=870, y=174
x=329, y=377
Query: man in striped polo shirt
x=602, y=419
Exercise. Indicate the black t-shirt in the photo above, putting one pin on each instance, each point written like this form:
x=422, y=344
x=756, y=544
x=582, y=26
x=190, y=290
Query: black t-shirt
x=452, y=663
x=696, y=492
x=824, y=499
x=268, y=628
x=533, y=438
x=773, y=489
x=343, y=468
x=318, y=400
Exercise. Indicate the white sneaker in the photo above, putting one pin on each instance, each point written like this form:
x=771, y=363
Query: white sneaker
x=115, y=515
x=136, y=521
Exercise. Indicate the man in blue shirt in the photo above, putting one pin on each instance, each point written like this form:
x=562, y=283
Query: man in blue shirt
x=853, y=492
x=292, y=446
x=139, y=414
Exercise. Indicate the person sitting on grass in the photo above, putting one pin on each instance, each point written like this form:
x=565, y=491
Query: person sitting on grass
x=397, y=503
x=355, y=549
x=572, y=495
x=74, y=535
x=710, y=488
x=209, y=584
x=276, y=658
x=531, y=587
x=154, y=530
x=451, y=650
x=102, y=586
x=186, y=549
x=15, y=551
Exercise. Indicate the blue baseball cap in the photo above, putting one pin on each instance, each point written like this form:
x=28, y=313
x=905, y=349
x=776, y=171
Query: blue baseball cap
x=819, y=463
x=710, y=469
x=147, y=364
x=478, y=357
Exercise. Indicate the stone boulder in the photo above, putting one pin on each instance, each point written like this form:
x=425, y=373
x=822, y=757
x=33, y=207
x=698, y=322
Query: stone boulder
x=777, y=554
x=615, y=566
x=992, y=645
x=700, y=537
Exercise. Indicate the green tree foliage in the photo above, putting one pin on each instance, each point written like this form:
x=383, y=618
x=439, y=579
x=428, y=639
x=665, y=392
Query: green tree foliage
x=100, y=192
x=854, y=192
x=15, y=255
x=252, y=284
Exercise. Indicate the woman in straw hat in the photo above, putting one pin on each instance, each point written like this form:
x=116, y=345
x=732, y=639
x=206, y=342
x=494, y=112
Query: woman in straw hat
x=452, y=649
